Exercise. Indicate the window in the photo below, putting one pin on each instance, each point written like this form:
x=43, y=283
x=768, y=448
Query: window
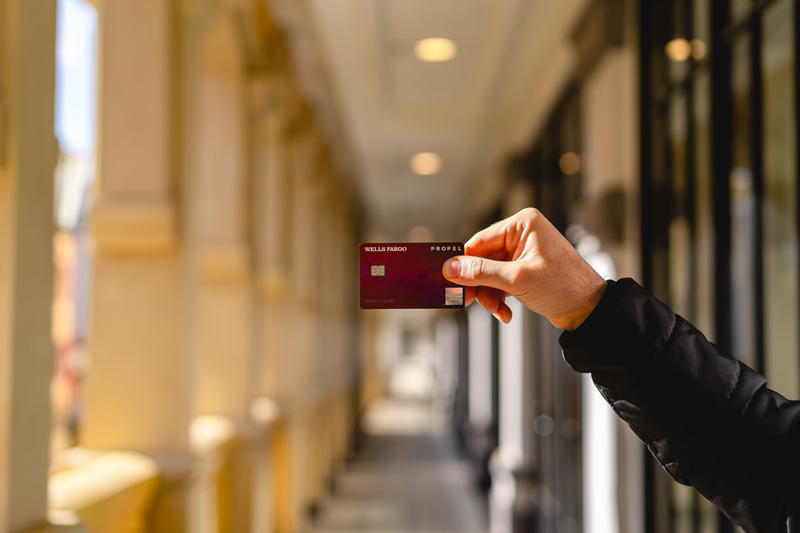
x=552, y=168
x=719, y=182
x=780, y=199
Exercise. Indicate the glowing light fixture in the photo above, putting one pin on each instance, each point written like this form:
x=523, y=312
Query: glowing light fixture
x=569, y=163
x=419, y=234
x=425, y=163
x=678, y=49
x=699, y=49
x=435, y=49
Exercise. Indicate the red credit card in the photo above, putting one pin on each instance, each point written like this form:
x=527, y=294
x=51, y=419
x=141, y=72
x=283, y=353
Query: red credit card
x=408, y=275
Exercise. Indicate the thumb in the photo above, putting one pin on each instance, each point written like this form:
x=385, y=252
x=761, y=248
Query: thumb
x=472, y=271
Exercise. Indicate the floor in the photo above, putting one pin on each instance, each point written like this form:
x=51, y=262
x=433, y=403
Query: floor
x=407, y=478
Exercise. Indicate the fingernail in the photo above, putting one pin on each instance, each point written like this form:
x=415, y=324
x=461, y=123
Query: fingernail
x=453, y=268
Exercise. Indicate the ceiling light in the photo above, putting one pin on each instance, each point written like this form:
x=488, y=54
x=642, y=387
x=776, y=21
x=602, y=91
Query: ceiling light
x=419, y=234
x=425, y=163
x=569, y=163
x=699, y=49
x=678, y=49
x=435, y=49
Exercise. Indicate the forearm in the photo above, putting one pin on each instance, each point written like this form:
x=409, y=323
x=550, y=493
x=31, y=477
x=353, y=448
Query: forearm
x=706, y=417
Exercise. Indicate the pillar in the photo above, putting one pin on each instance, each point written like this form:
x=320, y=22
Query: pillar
x=341, y=255
x=513, y=501
x=216, y=151
x=217, y=183
x=371, y=384
x=272, y=231
x=482, y=430
x=271, y=208
x=304, y=413
x=329, y=378
x=446, y=362
x=138, y=386
x=27, y=161
x=461, y=394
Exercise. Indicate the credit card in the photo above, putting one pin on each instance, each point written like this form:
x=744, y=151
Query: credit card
x=408, y=275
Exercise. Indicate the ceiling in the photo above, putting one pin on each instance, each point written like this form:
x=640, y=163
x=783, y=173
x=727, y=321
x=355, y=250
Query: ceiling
x=380, y=104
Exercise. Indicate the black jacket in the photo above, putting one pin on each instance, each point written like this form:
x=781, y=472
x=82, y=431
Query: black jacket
x=709, y=419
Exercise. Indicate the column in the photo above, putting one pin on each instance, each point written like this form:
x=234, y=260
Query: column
x=273, y=215
x=271, y=208
x=513, y=505
x=446, y=363
x=216, y=155
x=138, y=386
x=461, y=396
x=371, y=384
x=27, y=160
x=357, y=369
x=219, y=314
x=482, y=440
x=599, y=461
x=480, y=367
x=546, y=448
x=343, y=250
x=330, y=358
x=303, y=330
x=323, y=378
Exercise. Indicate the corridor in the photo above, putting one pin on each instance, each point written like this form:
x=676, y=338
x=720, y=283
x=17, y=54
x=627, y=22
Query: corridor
x=186, y=188
x=406, y=477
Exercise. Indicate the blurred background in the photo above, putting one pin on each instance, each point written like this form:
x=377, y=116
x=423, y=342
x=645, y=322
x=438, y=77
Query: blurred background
x=183, y=186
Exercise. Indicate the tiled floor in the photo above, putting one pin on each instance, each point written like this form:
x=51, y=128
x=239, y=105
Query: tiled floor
x=406, y=478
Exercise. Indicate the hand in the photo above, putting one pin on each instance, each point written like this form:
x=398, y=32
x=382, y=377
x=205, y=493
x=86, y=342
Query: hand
x=525, y=256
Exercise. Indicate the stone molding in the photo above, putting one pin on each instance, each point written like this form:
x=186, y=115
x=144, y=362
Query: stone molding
x=223, y=263
x=98, y=482
x=134, y=228
x=273, y=285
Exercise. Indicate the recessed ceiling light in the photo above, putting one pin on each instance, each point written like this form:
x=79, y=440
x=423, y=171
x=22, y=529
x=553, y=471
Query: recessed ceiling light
x=569, y=163
x=435, y=49
x=678, y=50
x=699, y=49
x=425, y=163
x=419, y=234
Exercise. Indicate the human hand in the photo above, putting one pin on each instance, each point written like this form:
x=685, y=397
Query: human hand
x=525, y=256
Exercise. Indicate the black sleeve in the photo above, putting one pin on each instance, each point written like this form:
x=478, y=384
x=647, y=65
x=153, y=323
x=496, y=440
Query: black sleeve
x=710, y=420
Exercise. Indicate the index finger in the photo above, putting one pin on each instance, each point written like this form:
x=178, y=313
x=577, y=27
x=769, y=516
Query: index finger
x=487, y=241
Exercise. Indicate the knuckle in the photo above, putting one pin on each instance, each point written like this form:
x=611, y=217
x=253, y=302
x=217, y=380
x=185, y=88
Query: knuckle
x=480, y=268
x=515, y=277
x=531, y=213
x=475, y=268
x=472, y=268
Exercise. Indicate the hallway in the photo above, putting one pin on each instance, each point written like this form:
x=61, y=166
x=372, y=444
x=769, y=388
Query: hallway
x=406, y=478
x=186, y=187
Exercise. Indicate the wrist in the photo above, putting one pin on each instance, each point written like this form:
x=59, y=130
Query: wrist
x=575, y=317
